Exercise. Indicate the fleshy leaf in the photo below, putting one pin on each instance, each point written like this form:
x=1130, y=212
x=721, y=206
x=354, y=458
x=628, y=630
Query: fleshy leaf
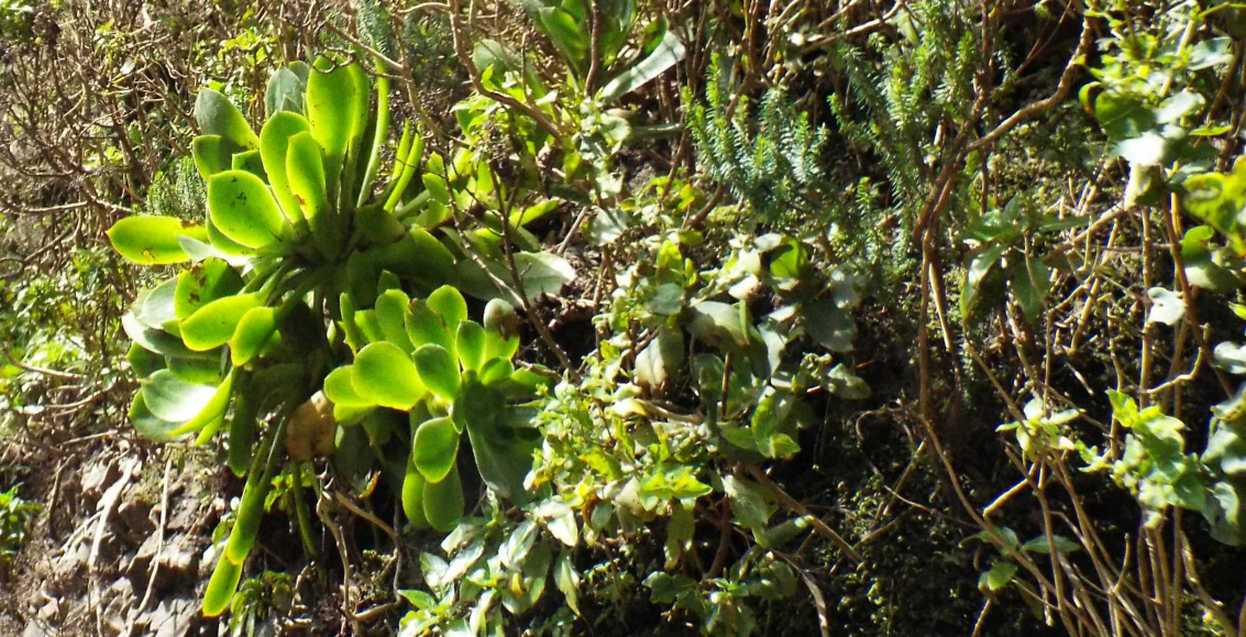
x=385, y=375
x=173, y=399
x=254, y=331
x=243, y=209
x=153, y=240
x=274, y=143
x=437, y=370
x=435, y=448
x=213, y=324
x=216, y=115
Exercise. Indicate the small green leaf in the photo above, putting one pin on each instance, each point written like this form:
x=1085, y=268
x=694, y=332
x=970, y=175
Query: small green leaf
x=998, y=577
x=386, y=376
x=153, y=240
x=567, y=580
x=830, y=326
x=437, y=370
x=435, y=448
x=1031, y=281
x=243, y=209
x=543, y=273
x=719, y=324
x=503, y=452
x=213, y=324
x=1042, y=546
x=749, y=504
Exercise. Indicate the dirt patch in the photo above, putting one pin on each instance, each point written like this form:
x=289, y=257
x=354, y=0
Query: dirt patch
x=118, y=546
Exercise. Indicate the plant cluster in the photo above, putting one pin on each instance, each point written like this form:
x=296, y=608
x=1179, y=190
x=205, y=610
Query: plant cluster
x=579, y=347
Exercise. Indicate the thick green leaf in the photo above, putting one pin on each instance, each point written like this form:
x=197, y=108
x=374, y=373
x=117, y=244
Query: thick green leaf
x=497, y=370
x=203, y=283
x=153, y=240
x=274, y=144
x=149, y=424
x=413, y=484
x=142, y=361
x=470, y=345
x=339, y=388
x=437, y=370
x=213, y=413
x=249, y=161
x=435, y=448
x=448, y=303
x=391, y=314
x=385, y=375
x=667, y=54
x=157, y=341
x=211, y=154
x=410, y=164
x=200, y=370
x=216, y=115
x=443, y=502
x=156, y=308
x=243, y=209
x=284, y=93
x=213, y=324
x=418, y=256
x=173, y=399
x=221, y=587
x=247, y=521
x=335, y=105
x=305, y=171
x=254, y=331
x=425, y=327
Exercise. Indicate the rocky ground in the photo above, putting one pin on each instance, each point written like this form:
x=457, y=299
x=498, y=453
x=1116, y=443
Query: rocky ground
x=119, y=546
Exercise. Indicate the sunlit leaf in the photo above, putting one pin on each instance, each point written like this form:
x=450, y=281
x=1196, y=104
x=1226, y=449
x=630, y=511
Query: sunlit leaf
x=153, y=240
x=385, y=375
x=435, y=448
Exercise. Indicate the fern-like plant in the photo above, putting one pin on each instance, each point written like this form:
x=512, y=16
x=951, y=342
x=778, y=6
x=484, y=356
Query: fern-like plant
x=772, y=162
